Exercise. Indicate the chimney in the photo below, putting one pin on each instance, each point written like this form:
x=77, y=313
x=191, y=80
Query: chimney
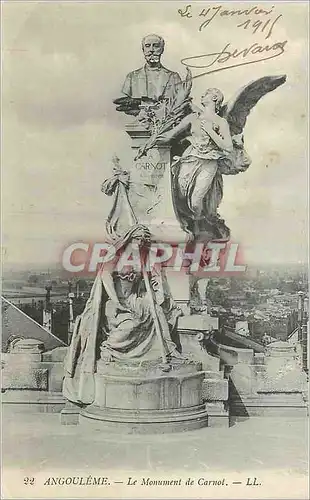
x=300, y=314
x=304, y=340
x=47, y=310
x=71, y=318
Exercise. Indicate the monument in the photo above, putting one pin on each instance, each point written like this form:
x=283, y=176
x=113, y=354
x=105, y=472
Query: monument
x=124, y=370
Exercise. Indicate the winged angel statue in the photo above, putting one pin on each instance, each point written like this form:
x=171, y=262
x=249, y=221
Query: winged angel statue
x=209, y=142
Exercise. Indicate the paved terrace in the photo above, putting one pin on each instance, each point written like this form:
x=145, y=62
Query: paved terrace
x=273, y=450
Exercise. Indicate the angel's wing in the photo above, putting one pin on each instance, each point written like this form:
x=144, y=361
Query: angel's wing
x=237, y=109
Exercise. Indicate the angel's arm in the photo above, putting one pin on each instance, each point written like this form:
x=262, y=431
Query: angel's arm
x=177, y=130
x=222, y=138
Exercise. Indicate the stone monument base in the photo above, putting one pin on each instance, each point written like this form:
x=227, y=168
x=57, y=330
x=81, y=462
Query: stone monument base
x=141, y=398
x=144, y=421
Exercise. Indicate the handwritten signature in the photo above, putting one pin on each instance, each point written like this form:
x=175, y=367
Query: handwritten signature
x=216, y=60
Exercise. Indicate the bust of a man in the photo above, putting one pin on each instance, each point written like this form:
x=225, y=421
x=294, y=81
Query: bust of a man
x=152, y=80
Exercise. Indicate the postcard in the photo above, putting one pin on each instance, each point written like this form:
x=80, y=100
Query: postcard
x=154, y=292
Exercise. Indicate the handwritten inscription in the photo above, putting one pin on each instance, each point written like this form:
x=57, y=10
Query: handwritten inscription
x=256, y=20
x=253, y=19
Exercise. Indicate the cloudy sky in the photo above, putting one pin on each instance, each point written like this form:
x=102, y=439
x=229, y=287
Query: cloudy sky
x=63, y=64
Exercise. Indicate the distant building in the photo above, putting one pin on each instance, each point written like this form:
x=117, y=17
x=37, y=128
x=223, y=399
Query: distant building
x=242, y=328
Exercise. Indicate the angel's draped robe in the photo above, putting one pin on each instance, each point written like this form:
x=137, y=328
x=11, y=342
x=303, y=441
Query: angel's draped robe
x=198, y=183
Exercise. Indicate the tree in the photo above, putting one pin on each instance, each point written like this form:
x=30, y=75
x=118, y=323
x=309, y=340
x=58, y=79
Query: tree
x=82, y=284
x=33, y=279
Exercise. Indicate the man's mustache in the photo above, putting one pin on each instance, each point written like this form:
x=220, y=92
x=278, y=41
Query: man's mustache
x=152, y=56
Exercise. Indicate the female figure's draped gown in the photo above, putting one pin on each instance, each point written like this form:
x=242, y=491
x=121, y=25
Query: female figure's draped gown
x=117, y=324
x=198, y=184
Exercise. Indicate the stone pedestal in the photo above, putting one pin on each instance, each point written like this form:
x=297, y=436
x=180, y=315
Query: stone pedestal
x=283, y=369
x=150, y=189
x=150, y=195
x=32, y=378
x=22, y=369
x=141, y=398
x=28, y=349
x=192, y=330
x=270, y=384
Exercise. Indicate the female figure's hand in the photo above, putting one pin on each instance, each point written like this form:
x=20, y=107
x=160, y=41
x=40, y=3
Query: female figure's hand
x=219, y=133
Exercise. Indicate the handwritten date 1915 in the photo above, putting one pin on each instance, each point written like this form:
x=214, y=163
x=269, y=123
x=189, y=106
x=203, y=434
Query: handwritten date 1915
x=254, y=19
